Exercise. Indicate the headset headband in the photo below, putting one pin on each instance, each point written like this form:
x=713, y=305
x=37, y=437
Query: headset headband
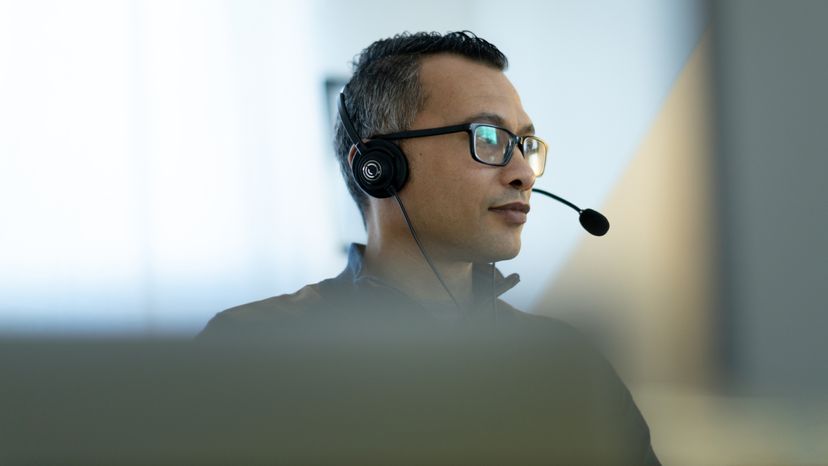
x=350, y=130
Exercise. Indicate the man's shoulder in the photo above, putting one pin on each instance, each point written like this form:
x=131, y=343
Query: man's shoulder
x=283, y=311
x=539, y=323
x=572, y=356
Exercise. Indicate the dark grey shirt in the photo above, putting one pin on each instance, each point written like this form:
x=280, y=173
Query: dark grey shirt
x=542, y=374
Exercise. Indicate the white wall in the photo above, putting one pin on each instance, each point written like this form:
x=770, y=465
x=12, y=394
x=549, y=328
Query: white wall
x=158, y=162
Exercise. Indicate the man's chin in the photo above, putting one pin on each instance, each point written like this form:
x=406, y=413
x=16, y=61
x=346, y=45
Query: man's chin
x=503, y=251
x=485, y=250
x=506, y=256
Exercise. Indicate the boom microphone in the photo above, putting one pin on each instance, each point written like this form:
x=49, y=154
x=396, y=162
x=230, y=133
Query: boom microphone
x=592, y=221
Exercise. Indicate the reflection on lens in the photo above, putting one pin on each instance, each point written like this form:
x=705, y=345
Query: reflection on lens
x=491, y=144
x=536, y=162
x=487, y=134
x=535, y=153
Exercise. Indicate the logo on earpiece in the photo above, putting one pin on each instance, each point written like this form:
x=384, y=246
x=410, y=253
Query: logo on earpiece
x=372, y=170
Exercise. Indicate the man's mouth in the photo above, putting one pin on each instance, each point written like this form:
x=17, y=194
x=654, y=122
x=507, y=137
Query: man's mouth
x=513, y=213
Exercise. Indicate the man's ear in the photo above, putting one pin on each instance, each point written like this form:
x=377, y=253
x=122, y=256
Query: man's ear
x=351, y=155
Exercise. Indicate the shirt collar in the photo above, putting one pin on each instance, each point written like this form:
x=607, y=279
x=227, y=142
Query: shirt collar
x=481, y=274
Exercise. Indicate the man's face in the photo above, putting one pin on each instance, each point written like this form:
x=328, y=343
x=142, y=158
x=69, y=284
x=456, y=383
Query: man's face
x=452, y=198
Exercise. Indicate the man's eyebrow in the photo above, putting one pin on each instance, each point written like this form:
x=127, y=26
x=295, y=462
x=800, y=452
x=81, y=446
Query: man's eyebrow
x=498, y=120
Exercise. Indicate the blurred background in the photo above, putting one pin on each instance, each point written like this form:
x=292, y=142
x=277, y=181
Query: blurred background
x=163, y=161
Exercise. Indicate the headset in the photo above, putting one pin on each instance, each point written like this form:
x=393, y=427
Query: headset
x=381, y=170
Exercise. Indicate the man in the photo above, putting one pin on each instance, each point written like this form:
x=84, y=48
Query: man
x=466, y=214
x=440, y=156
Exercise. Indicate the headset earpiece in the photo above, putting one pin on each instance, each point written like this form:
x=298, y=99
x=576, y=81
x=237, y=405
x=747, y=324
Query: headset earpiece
x=379, y=167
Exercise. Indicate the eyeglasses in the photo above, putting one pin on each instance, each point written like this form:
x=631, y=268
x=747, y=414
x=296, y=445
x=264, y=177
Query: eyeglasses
x=488, y=144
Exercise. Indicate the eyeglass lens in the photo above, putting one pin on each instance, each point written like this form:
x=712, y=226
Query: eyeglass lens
x=492, y=145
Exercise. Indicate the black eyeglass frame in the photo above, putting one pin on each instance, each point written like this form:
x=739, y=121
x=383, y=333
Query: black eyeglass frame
x=470, y=128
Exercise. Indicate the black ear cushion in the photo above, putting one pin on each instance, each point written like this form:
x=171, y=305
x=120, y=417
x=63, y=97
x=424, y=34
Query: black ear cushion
x=381, y=166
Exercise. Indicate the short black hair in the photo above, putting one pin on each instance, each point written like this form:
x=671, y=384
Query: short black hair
x=384, y=94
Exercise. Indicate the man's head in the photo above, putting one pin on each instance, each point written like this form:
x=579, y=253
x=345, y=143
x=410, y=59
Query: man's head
x=417, y=81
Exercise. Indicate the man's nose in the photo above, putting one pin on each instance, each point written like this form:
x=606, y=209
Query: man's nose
x=518, y=173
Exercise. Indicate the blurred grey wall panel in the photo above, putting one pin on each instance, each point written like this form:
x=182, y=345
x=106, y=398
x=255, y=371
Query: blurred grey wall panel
x=772, y=106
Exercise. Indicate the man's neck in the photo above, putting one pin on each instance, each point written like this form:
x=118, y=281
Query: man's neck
x=401, y=264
